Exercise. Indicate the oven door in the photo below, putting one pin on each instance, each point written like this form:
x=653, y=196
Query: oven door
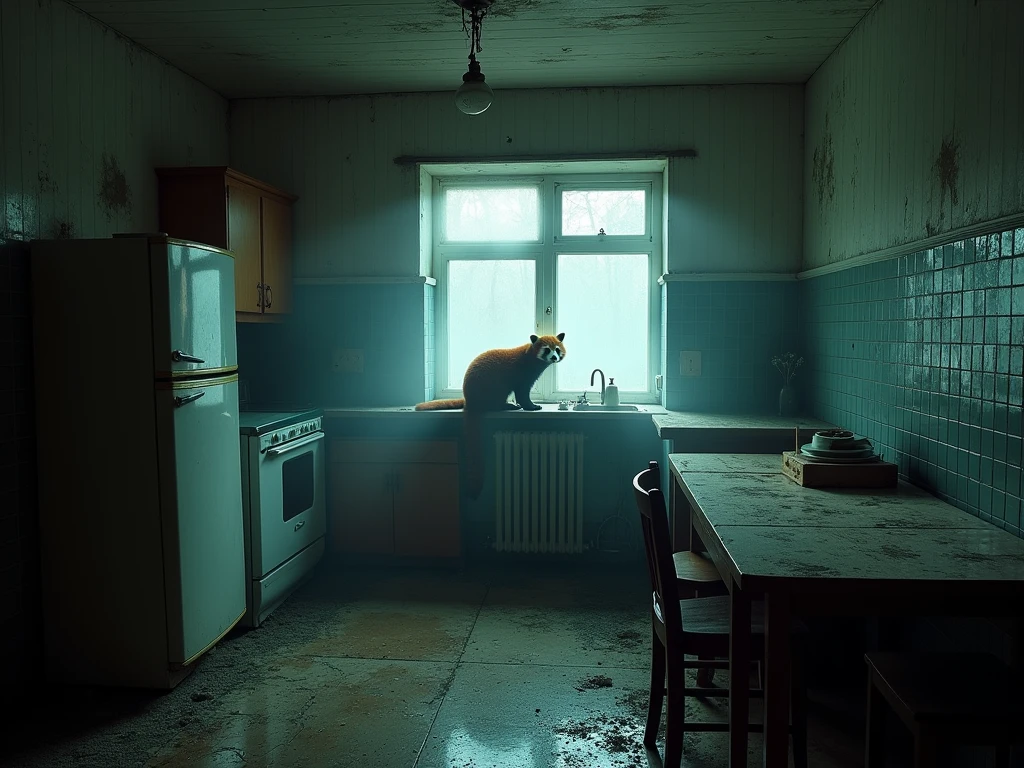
x=289, y=503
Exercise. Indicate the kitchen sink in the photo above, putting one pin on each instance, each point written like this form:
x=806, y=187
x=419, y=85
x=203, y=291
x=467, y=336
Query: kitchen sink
x=592, y=407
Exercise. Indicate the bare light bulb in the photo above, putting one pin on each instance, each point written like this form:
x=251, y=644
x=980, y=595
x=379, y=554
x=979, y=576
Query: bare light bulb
x=474, y=95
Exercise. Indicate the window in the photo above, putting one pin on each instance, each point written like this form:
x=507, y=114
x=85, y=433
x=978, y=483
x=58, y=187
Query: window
x=517, y=255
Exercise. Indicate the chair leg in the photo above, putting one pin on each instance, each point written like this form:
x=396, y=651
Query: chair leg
x=676, y=725
x=874, y=747
x=798, y=709
x=926, y=748
x=705, y=675
x=657, y=693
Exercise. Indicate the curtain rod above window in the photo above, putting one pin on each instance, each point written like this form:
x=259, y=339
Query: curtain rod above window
x=669, y=153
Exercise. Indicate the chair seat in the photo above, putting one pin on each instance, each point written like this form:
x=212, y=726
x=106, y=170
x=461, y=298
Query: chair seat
x=695, y=567
x=918, y=686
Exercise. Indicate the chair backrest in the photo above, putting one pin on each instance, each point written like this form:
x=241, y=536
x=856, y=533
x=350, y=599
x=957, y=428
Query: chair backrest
x=657, y=542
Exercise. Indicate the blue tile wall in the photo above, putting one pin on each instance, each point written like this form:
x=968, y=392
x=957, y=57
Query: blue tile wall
x=737, y=326
x=293, y=361
x=923, y=355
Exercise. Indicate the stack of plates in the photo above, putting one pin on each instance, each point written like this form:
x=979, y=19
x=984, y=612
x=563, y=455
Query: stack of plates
x=839, y=446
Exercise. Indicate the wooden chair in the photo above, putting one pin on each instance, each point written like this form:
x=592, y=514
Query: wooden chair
x=696, y=576
x=696, y=626
x=983, y=707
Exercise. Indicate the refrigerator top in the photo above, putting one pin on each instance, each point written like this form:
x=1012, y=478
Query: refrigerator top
x=163, y=237
x=261, y=422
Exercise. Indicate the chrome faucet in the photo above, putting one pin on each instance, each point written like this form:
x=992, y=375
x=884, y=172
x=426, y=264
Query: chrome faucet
x=598, y=370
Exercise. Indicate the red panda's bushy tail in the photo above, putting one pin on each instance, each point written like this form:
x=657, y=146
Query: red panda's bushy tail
x=473, y=426
x=440, y=405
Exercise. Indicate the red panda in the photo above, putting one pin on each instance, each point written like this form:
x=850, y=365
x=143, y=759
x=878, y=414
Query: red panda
x=488, y=381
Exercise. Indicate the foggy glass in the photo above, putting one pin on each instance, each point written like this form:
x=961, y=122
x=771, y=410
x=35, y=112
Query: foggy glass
x=602, y=305
x=491, y=304
x=490, y=215
x=617, y=211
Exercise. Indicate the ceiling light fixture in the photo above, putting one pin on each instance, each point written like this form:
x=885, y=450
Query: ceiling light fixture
x=474, y=95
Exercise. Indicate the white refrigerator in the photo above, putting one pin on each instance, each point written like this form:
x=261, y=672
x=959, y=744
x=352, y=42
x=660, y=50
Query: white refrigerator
x=140, y=510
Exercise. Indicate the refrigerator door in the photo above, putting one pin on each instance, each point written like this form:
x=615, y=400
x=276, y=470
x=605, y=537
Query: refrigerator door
x=193, y=309
x=201, y=512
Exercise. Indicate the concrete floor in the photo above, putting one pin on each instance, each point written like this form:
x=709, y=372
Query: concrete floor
x=515, y=667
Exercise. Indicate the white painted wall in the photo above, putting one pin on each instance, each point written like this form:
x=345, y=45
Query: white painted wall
x=914, y=127
x=735, y=208
x=85, y=116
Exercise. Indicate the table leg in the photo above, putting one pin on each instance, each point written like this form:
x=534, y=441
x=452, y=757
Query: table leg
x=679, y=509
x=777, y=682
x=739, y=676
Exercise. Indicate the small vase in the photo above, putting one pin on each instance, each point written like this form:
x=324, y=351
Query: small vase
x=787, y=401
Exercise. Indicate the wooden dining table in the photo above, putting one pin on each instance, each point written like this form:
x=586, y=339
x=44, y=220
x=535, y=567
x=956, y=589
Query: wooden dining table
x=831, y=552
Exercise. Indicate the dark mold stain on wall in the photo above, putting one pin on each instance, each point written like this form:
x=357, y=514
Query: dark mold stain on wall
x=823, y=172
x=115, y=195
x=947, y=166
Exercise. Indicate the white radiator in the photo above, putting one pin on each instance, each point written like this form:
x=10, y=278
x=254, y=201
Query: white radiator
x=539, y=492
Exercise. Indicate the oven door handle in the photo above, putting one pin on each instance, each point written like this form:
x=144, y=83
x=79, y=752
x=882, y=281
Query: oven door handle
x=289, y=447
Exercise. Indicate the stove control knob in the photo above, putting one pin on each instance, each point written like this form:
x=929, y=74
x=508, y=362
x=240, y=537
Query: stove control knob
x=274, y=438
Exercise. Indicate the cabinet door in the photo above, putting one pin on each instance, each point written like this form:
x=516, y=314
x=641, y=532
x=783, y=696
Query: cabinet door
x=244, y=242
x=360, y=517
x=277, y=255
x=427, y=510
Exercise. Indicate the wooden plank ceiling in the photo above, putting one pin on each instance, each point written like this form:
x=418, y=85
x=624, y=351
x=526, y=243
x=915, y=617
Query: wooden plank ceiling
x=246, y=48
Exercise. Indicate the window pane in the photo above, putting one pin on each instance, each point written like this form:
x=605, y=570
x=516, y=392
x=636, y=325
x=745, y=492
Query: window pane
x=474, y=214
x=602, y=306
x=491, y=304
x=617, y=211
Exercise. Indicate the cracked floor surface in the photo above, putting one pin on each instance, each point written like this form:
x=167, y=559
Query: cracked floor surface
x=517, y=667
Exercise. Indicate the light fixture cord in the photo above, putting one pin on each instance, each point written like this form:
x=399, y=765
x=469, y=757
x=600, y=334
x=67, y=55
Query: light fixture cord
x=475, y=30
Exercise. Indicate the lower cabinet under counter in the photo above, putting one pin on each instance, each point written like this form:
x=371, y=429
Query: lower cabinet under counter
x=394, y=497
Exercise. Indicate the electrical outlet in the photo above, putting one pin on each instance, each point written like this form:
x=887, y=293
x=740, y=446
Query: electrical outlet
x=348, y=360
x=689, y=363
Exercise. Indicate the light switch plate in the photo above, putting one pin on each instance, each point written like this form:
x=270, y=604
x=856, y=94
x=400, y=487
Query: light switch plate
x=348, y=360
x=689, y=363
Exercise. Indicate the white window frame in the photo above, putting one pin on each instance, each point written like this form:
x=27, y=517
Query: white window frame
x=544, y=253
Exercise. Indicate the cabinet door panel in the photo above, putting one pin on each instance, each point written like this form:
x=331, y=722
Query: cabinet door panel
x=277, y=255
x=427, y=510
x=244, y=242
x=360, y=516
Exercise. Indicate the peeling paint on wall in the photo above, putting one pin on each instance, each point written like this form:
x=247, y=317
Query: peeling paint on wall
x=823, y=173
x=947, y=166
x=115, y=194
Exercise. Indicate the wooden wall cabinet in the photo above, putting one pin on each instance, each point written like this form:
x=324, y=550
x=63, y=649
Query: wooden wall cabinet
x=219, y=206
x=394, y=497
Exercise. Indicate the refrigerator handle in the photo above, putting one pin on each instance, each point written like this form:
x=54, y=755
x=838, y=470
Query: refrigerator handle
x=180, y=401
x=184, y=357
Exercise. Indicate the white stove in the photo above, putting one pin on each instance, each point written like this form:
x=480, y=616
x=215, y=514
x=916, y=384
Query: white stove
x=283, y=504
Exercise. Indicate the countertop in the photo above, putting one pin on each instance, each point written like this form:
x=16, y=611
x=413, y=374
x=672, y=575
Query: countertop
x=678, y=424
x=549, y=410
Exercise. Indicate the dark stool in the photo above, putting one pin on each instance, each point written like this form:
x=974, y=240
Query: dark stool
x=983, y=707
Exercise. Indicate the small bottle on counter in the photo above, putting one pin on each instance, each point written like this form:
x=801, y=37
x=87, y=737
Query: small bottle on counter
x=611, y=393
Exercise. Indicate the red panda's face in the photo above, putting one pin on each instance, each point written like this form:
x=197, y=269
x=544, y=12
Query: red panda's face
x=549, y=349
